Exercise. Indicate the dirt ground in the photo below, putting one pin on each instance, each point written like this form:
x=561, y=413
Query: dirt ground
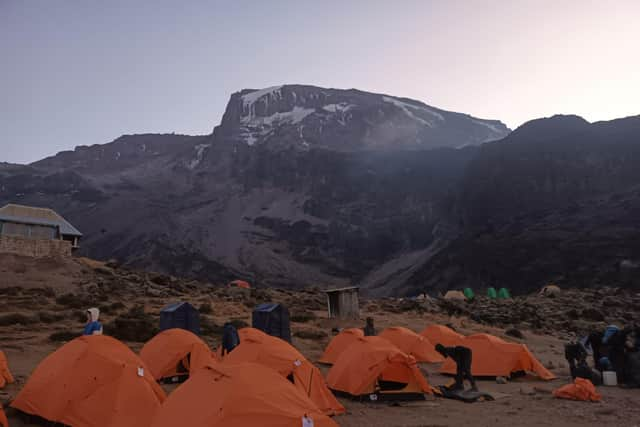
x=522, y=402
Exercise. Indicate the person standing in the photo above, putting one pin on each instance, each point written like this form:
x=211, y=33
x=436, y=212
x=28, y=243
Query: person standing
x=93, y=326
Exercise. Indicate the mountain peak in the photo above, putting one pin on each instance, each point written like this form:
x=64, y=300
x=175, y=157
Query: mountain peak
x=552, y=127
x=304, y=117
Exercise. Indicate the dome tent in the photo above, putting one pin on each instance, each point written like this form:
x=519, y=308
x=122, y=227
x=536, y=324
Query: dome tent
x=277, y=354
x=468, y=293
x=440, y=334
x=377, y=369
x=174, y=354
x=494, y=357
x=413, y=344
x=340, y=343
x=238, y=395
x=94, y=380
x=504, y=293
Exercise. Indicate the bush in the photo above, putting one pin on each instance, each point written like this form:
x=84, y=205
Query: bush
x=63, y=336
x=135, y=325
x=111, y=308
x=17, y=318
x=513, y=332
x=310, y=334
x=50, y=317
x=239, y=323
x=209, y=327
x=303, y=316
x=205, y=308
x=73, y=301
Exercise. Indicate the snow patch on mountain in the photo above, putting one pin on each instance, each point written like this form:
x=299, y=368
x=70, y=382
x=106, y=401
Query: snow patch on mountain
x=411, y=109
x=200, y=148
x=250, y=98
x=497, y=132
x=341, y=107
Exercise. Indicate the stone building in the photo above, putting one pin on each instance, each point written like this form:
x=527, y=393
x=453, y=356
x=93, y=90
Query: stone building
x=37, y=232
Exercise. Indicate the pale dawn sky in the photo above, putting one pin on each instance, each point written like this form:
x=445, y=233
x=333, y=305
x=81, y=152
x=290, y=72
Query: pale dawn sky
x=81, y=72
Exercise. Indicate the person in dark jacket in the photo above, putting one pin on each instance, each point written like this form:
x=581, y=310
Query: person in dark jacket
x=369, y=329
x=230, y=338
x=463, y=357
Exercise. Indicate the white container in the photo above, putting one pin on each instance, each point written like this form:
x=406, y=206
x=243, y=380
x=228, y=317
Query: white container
x=609, y=378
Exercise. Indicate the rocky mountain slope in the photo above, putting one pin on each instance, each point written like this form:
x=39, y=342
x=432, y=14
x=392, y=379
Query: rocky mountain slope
x=559, y=199
x=298, y=185
x=305, y=117
x=301, y=185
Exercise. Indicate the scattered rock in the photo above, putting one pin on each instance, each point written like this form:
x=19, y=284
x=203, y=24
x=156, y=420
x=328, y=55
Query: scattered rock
x=513, y=332
x=501, y=380
x=310, y=334
x=527, y=390
x=592, y=314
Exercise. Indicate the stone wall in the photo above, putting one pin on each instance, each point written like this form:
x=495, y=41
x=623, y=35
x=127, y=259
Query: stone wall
x=35, y=248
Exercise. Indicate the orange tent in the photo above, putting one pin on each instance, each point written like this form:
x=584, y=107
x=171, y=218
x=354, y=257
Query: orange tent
x=3, y=418
x=339, y=343
x=240, y=284
x=5, y=373
x=238, y=395
x=413, y=344
x=258, y=347
x=439, y=334
x=493, y=357
x=581, y=389
x=94, y=380
x=375, y=367
x=175, y=352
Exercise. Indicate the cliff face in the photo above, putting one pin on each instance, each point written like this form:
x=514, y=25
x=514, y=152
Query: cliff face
x=298, y=185
x=557, y=200
x=305, y=117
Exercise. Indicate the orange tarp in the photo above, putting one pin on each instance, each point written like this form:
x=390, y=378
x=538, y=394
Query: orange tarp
x=240, y=284
x=5, y=373
x=493, y=357
x=339, y=343
x=258, y=347
x=413, y=344
x=92, y=381
x=246, y=394
x=368, y=360
x=3, y=418
x=439, y=334
x=581, y=389
x=164, y=352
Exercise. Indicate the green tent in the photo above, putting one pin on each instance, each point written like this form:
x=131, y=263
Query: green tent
x=491, y=293
x=503, y=293
x=468, y=292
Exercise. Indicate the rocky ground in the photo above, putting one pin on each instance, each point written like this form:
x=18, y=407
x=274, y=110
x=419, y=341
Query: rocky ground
x=42, y=306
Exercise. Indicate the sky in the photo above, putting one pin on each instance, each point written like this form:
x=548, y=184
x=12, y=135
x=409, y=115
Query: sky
x=82, y=72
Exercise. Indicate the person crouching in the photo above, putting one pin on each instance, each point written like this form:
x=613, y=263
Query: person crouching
x=463, y=358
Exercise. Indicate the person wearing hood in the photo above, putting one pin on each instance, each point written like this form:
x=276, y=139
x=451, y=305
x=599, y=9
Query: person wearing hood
x=93, y=326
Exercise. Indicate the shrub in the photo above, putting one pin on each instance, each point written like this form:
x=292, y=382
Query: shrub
x=209, y=327
x=17, y=318
x=135, y=325
x=205, y=308
x=73, y=301
x=239, y=323
x=62, y=336
x=310, y=334
x=50, y=317
x=303, y=316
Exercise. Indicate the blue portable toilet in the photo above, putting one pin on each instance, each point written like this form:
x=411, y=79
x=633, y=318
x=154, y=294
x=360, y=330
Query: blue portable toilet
x=272, y=319
x=180, y=315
